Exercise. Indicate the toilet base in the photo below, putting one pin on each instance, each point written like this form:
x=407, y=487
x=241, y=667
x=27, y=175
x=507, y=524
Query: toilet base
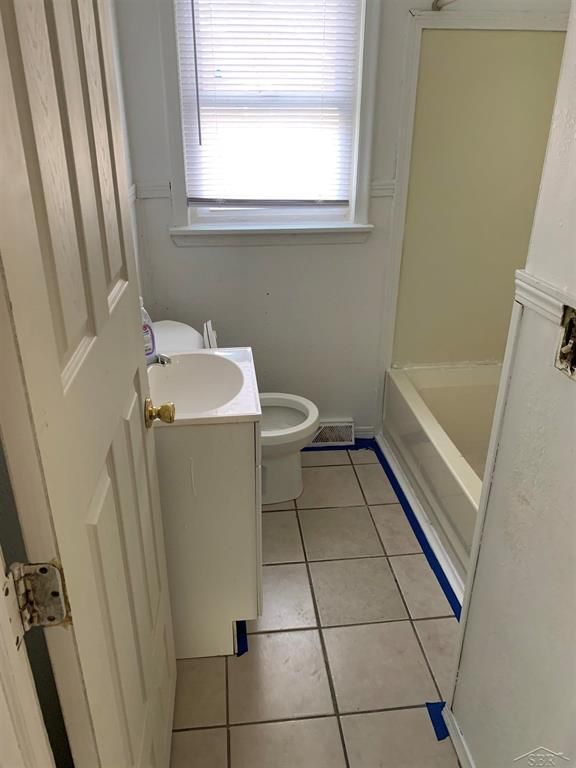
x=281, y=477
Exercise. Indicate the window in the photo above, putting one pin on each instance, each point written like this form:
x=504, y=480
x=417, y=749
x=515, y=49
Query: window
x=270, y=97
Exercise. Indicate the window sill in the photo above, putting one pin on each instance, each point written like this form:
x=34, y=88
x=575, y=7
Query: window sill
x=269, y=234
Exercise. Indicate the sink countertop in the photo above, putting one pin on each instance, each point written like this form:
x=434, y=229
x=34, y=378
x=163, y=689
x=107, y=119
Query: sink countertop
x=244, y=407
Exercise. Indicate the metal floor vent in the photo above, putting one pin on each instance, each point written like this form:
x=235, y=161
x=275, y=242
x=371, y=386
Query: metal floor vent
x=334, y=433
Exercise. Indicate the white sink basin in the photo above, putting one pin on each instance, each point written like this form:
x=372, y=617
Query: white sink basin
x=207, y=385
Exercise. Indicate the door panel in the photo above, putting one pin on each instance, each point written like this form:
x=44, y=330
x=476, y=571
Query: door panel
x=113, y=253
x=70, y=274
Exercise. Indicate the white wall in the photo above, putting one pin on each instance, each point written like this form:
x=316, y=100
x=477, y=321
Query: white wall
x=517, y=676
x=312, y=313
x=552, y=254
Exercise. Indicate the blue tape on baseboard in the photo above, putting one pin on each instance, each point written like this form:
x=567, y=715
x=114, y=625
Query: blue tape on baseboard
x=418, y=532
x=241, y=638
x=369, y=442
x=435, y=711
x=362, y=443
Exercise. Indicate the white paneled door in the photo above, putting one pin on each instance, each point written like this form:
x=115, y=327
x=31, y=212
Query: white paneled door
x=69, y=277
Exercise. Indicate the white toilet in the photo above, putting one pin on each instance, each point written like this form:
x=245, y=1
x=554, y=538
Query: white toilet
x=289, y=422
x=174, y=338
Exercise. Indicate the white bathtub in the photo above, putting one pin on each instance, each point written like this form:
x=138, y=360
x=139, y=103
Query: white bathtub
x=438, y=421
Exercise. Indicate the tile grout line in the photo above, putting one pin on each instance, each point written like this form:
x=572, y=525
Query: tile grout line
x=354, y=466
x=346, y=506
x=220, y=727
x=310, y=628
x=417, y=636
x=333, y=559
x=337, y=714
x=376, y=531
x=408, y=617
x=323, y=646
x=298, y=718
x=320, y=466
x=398, y=587
x=411, y=620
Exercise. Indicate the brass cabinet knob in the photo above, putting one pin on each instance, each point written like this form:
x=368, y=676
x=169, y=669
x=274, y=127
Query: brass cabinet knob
x=165, y=412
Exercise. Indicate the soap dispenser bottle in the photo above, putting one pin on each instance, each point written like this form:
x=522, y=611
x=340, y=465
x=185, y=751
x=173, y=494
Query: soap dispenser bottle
x=148, y=333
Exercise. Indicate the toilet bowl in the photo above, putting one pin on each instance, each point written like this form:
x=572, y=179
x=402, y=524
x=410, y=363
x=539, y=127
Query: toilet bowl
x=288, y=421
x=288, y=424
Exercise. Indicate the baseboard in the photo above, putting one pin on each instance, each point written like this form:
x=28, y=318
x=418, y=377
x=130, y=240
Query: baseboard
x=458, y=741
x=436, y=545
x=364, y=431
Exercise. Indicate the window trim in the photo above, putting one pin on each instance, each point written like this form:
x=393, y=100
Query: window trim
x=187, y=225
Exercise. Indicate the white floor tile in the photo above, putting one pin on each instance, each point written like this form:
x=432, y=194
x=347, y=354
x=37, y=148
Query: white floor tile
x=395, y=530
x=378, y=666
x=423, y=595
x=281, y=541
x=401, y=739
x=363, y=456
x=297, y=744
x=356, y=591
x=283, y=676
x=324, y=458
x=440, y=637
x=287, y=599
x=200, y=693
x=200, y=749
x=281, y=505
x=330, y=487
x=339, y=533
x=375, y=484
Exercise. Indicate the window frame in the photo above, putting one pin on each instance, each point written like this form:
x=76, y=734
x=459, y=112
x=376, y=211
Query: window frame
x=203, y=223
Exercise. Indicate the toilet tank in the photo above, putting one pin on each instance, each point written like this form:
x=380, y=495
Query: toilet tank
x=173, y=338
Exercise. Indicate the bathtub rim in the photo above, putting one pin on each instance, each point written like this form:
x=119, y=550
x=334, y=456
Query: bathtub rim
x=458, y=466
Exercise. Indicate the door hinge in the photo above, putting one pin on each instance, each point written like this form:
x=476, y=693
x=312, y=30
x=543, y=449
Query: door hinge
x=40, y=592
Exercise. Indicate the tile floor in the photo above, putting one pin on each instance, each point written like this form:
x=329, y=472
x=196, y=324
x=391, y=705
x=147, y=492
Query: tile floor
x=355, y=638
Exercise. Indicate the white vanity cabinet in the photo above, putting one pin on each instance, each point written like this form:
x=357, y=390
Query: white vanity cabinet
x=209, y=473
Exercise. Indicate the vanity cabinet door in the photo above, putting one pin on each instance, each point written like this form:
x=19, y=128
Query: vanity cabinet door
x=208, y=485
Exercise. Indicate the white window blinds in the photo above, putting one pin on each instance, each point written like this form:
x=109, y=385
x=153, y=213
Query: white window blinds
x=268, y=91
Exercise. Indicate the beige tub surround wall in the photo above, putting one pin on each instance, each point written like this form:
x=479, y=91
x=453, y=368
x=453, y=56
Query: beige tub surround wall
x=483, y=113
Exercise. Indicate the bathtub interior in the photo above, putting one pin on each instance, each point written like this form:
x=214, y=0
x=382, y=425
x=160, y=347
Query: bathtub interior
x=462, y=400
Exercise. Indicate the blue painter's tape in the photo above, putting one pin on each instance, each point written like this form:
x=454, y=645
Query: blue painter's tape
x=362, y=443
x=370, y=443
x=241, y=638
x=435, y=711
x=419, y=533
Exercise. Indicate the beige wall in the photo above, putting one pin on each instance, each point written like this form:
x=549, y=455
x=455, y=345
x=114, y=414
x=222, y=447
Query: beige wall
x=483, y=113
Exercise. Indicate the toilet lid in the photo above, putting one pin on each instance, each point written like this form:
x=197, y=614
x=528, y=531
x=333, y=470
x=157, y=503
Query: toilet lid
x=280, y=417
x=173, y=338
